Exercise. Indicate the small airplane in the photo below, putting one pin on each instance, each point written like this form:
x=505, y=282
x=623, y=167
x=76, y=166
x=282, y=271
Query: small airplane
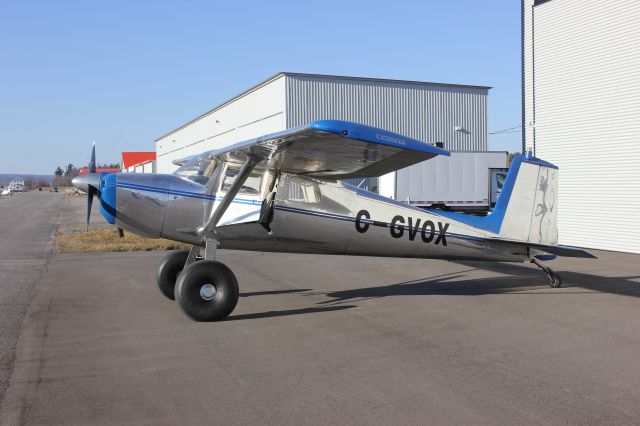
x=283, y=192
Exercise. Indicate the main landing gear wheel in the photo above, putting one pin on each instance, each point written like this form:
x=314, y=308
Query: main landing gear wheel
x=169, y=270
x=207, y=291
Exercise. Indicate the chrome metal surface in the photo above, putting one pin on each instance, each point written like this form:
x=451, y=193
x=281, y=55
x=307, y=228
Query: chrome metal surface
x=83, y=182
x=142, y=202
x=325, y=220
x=310, y=216
x=193, y=253
x=208, y=292
x=211, y=245
x=184, y=211
x=303, y=214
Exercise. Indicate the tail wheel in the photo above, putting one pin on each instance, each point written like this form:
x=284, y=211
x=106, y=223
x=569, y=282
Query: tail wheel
x=207, y=291
x=169, y=270
x=554, y=280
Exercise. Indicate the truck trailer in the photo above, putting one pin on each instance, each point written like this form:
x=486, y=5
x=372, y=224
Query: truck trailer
x=465, y=181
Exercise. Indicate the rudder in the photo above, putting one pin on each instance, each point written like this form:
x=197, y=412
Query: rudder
x=528, y=202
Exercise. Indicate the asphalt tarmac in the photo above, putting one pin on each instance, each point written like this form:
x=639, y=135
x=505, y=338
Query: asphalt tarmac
x=322, y=339
x=27, y=223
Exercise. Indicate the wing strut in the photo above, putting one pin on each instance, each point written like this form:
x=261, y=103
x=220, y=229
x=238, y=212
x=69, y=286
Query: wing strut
x=239, y=180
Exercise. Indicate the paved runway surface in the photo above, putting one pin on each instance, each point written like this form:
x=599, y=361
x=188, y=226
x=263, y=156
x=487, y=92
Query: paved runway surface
x=317, y=340
x=27, y=222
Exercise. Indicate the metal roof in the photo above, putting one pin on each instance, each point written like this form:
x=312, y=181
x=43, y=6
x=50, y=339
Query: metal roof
x=134, y=158
x=339, y=77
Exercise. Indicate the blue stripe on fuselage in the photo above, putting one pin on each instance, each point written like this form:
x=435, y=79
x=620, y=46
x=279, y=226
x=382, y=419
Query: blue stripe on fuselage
x=344, y=218
x=167, y=191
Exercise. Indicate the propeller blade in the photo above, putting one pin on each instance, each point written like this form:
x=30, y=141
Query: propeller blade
x=90, y=192
x=92, y=164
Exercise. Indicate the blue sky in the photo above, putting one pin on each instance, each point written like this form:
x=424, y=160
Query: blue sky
x=123, y=73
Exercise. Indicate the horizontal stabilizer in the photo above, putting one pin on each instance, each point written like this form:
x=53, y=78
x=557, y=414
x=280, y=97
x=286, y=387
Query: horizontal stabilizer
x=565, y=251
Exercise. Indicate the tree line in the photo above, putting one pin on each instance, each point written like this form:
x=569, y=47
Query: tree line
x=63, y=177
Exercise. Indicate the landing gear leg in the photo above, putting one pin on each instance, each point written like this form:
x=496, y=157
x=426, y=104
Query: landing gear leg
x=554, y=279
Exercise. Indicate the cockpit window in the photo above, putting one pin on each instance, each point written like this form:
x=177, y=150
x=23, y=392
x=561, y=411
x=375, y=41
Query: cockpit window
x=196, y=170
x=251, y=186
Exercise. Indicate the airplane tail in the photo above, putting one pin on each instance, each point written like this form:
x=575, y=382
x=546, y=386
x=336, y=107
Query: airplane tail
x=526, y=212
x=526, y=209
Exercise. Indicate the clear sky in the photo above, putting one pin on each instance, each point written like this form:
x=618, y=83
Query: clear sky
x=123, y=73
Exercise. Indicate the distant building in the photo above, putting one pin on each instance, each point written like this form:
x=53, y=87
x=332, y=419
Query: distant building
x=139, y=162
x=17, y=185
x=455, y=114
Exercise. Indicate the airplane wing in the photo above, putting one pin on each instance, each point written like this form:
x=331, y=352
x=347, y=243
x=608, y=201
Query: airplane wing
x=330, y=149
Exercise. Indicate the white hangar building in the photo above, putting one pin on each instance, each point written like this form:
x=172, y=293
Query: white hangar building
x=431, y=112
x=581, y=95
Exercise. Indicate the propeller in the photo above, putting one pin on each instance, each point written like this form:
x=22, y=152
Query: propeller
x=91, y=190
x=89, y=183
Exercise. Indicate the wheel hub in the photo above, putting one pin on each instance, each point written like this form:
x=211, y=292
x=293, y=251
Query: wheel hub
x=208, y=292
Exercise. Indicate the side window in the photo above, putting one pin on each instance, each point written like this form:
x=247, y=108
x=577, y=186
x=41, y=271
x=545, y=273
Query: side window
x=303, y=190
x=251, y=186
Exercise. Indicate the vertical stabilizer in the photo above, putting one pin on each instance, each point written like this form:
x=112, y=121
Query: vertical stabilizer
x=526, y=209
x=528, y=202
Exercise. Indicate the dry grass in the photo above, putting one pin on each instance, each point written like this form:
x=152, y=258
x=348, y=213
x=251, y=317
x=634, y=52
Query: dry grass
x=75, y=239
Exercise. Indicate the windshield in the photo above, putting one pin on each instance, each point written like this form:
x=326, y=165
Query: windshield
x=196, y=170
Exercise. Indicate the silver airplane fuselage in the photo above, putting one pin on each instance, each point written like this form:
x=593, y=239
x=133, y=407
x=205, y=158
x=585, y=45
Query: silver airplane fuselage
x=307, y=216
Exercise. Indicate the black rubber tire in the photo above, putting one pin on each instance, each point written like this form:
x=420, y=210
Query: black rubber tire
x=554, y=280
x=168, y=272
x=197, y=275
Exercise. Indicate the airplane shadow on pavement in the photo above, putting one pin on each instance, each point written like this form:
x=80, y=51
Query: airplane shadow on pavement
x=288, y=312
x=271, y=292
x=271, y=314
x=517, y=280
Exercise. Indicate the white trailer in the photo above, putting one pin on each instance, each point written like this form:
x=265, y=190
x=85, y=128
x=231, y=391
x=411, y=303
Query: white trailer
x=467, y=180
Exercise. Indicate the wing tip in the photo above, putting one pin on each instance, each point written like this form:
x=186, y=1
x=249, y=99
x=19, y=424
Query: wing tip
x=376, y=135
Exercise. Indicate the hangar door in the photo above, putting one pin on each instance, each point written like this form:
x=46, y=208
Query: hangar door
x=586, y=104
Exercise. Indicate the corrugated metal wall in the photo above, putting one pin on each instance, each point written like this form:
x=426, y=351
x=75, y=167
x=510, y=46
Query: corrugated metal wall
x=527, y=74
x=425, y=112
x=583, y=83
